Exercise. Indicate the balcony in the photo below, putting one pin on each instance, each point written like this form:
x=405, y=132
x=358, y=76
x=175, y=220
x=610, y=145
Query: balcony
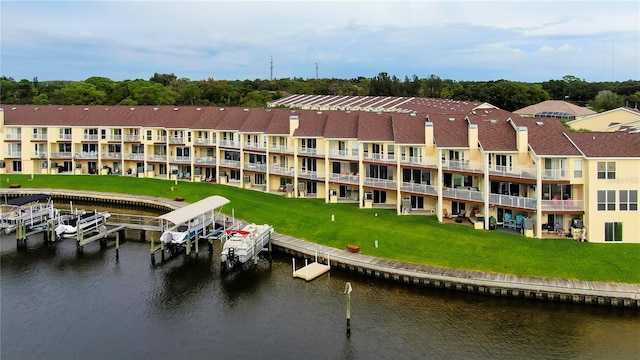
x=230, y=163
x=344, y=154
x=39, y=155
x=512, y=201
x=230, y=144
x=135, y=156
x=162, y=139
x=562, y=205
x=419, y=188
x=308, y=174
x=132, y=138
x=181, y=159
x=254, y=146
x=380, y=183
x=344, y=178
x=86, y=155
x=378, y=157
x=206, y=160
x=14, y=154
x=281, y=170
x=255, y=167
x=117, y=138
x=419, y=161
x=61, y=155
x=308, y=151
x=514, y=172
x=176, y=140
x=462, y=194
x=112, y=156
x=281, y=149
x=463, y=165
x=14, y=136
x=38, y=137
x=66, y=137
x=202, y=141
x=90, y=137
x=555, y=174
x=158, y=158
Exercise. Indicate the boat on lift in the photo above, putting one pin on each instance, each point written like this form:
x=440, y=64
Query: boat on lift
x=243, y=245
x=85, y=221
x=30, y=210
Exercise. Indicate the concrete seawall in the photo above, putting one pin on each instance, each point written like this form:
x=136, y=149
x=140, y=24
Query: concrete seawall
x=548, y=289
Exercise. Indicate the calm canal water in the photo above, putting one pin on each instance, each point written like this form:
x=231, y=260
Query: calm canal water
x=56, y=305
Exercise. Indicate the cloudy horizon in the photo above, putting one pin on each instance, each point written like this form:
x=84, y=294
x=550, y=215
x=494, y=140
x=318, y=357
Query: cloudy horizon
x=530, y=41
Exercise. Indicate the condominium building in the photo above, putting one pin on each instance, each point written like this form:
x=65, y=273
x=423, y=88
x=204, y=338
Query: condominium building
x=417, y=156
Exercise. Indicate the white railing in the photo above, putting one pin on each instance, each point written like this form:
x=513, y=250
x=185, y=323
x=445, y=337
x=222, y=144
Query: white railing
x=201, y=141
x=65, y=137
x=419, y=188
x=254, y=146
x=381, y=183
x=281, y=170
x=161, y=138
x=230, y=143
x=112, y=155
x=176, y=140
x=380, y=157
x=255, y=167
x=511, y=171
x=281, y=148
x=351, y=179
x=562, y=205
x=132, y=138
x=115, y=138
x=311, y=174
x=208, y=160
x=344, y=154
x=38, y=136
x=463, y=165
x=14, y=136
x=512, y=201
x=61, y=155
x=181, y=159
x=40, y=154
x=230, y=163
x=158, y=158
x=308, y=151
x=86, y=155
x=555, y=174
x=134, y=156
x=90, y=137
x=14, y=154
x=462, y=194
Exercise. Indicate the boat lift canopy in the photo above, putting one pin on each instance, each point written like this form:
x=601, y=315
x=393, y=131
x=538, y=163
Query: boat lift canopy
x=195, y=210
x=23, y=200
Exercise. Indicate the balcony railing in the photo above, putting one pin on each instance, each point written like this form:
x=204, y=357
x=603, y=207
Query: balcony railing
x=516, y=172
x=158, y=158
x=555, y=174
x=181, y=159
x=201, y=141
x=419, y=160
x=86, y=155
x=308, y=174
x=90, y=137
x=206, y=160
x=419, y=188
x=512, y=201
x=254, y=146
x=308, y=151
x=161, y=138
x=14, y=136
x=380, y=157
x=230, y=143
x=255, y=167
x=351, y=179
x=131, y=138
x=281, y=148
x=112, y=155
x=344, y=154
x=65, y=137
x=39, y=154
x=463, y=166
x=230, y=163
x=562, y=205
x=176, y=140
x=281, y=170
x=135, y=156
x=41, y=137
x=381, y=183
x=14, y=154
x=61, y=155
x=462, y=194
x=115, y=138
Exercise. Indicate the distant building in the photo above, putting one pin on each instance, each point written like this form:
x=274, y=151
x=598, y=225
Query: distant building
x=620, y=119
x=555, y=108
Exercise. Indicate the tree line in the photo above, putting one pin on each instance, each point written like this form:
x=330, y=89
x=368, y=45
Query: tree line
x=168, y=89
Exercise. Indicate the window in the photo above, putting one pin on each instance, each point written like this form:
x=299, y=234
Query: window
x=606, y=170
x=628, y=200
x=607, y=200
x=613, y=231
x=149, y=136
x=577, y=168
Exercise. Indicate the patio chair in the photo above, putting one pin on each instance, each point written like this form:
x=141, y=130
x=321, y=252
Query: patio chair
x=508, y=221
x=519, y=221
x=445, y=214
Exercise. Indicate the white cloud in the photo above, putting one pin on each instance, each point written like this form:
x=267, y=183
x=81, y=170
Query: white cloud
x=566, y=47
x=546, y=48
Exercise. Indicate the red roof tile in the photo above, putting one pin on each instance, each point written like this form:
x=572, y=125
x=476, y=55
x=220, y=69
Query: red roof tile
x=374, y=126
x=607, y=144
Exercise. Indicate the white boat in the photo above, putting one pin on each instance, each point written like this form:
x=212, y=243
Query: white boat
x=30, y=210
x=179, y=234
x=86, y=222
x=243, y=245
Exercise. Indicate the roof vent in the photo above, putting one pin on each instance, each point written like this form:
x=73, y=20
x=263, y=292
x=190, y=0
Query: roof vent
x=319, y=112
x=413, y=114
x=59, y=109
x=522, y=128
x=86, y=109
x=246, y=110
x=493, y=121
x=473, y=126
x=132, y=109
x=473, y=112
x=175, y=109
x=221, y=109
x=539, y=123
x=452, y=119
x=106, y=109
x=486, y=111
x=13, y=108
x=36, y=109
x=198, y=109
x=155, y=109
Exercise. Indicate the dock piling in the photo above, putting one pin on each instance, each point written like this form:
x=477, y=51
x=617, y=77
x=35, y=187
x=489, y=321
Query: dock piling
x=347, y=291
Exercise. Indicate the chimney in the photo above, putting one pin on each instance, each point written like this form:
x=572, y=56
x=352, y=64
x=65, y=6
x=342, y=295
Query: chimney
x=473, y=136
x=428, y=133
x=522, y=141
x=294, y=122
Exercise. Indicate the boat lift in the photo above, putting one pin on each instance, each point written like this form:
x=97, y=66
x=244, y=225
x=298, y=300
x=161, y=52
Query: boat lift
x=184, y=227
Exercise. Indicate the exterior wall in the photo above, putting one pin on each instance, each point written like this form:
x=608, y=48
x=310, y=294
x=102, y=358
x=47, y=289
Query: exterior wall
x=600, y=122
x=627, y=178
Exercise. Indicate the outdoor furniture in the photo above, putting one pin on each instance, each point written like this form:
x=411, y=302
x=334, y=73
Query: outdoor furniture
x=519, y=221
x=508, y=221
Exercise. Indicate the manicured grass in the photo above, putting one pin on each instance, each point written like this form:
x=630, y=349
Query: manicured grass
x=415, y=239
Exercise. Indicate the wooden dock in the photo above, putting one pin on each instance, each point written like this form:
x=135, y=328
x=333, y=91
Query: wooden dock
x=310, y=271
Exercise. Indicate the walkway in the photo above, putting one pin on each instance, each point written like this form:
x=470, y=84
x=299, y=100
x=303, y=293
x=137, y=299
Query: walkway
x=577, y=291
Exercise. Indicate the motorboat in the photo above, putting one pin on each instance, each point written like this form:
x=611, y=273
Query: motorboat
x=84, y=221
x=30, y=210
x=243, y=245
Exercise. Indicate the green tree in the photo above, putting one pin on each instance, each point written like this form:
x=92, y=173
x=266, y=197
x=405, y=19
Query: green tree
x=81, y=93
x=164, y=79
x=606, y=100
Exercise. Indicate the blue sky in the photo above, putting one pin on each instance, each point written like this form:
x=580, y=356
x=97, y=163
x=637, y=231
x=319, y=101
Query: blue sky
x=461, y=40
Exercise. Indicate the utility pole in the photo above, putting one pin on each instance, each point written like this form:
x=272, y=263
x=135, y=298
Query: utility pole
x=271, y=76
x=316, y=71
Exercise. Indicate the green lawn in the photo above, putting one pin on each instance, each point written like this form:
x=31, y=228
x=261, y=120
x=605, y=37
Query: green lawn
x=416, y=239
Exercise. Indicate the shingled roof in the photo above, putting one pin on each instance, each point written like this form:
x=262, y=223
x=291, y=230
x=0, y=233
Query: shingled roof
x=450, y=131
x=408, y=129
x=606, y=144
x=546, y=136
x=341, y=125
x=312, y=123
x=495, y=132
x=374, y=127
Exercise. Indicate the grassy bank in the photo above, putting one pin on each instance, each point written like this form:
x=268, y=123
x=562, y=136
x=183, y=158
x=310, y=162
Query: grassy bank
x=416, y=239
